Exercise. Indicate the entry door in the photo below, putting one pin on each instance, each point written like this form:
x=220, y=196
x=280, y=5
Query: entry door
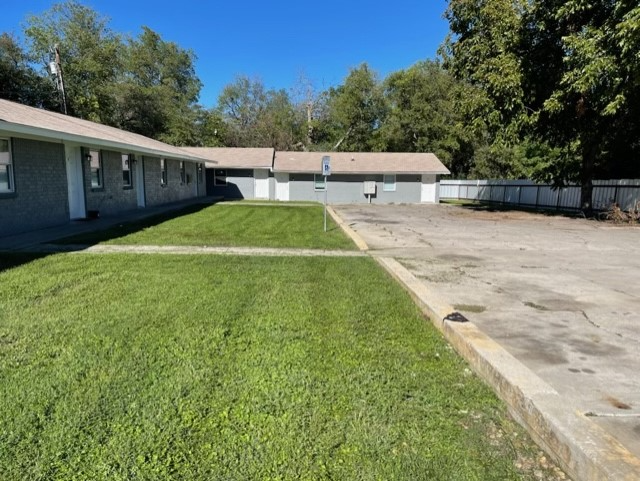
x=261, y=181
x=428, y=192
x=75, y=182
x=140, y=182
x=282, y=186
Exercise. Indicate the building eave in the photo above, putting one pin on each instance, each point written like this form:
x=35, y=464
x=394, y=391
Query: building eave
x=56, y=136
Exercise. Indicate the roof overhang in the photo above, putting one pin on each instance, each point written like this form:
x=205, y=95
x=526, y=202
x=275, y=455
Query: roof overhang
x=367, y=172
x=53, y=135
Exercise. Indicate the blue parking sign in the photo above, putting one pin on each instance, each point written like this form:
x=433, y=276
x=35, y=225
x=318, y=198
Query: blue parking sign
x=326, y=165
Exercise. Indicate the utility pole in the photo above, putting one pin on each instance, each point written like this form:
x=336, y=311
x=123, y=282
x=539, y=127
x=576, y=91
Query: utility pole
x=55, y=68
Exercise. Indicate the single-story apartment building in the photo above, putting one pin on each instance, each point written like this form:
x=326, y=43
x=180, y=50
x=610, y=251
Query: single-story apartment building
x=358, y=177
x=238, y=173
x=55, y=168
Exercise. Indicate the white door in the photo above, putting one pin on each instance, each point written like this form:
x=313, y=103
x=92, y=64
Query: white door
x=75, y=182
x=429, y=191
x=140, y=181
x=261, y=182
x=282, y=186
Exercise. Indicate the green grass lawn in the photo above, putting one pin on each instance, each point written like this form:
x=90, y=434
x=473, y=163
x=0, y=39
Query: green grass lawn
x=204, y=367
x=234, y=224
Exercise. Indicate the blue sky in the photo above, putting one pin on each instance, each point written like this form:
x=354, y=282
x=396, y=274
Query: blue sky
x=274, y=41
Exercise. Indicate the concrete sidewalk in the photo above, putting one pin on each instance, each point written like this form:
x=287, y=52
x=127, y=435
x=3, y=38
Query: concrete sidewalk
x=546, y=309
x=190, y=250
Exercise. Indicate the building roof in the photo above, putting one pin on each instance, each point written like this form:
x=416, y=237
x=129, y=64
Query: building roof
x=235, y=157
x=21, y=119
x=360, y=163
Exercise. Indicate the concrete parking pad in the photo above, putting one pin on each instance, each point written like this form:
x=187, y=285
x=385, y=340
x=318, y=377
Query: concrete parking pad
x=561, y=295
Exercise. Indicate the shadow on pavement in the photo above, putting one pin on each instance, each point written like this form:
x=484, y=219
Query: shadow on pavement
x=497, y=207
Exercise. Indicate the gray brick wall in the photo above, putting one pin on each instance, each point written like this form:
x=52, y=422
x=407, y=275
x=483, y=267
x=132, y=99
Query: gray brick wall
x=40, y=198
x=112, y=197
x=154, y=192
x=175, y=189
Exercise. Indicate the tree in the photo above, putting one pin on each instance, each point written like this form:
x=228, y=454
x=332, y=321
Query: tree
x=241, y=103
x=211, y=129
x=356, y=111
x=157, y=90
x=422, y=116
x=278, y=125
x=594, y=88
x=256, y=117
x=19, y=82
x=482, y=51
x=551, y=76
x=311, y=106
x=90, y=56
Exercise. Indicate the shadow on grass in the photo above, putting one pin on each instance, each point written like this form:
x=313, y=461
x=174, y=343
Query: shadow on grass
x=128, y=227
x=498, y=207
x=9, y=260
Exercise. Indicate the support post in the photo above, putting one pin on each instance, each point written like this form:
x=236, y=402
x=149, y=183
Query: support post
x=326, y=186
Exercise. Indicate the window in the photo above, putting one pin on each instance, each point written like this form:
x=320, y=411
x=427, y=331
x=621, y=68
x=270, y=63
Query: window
x=319, y=182
x=183, y=173
x=6, y=167
x=220, y=177
x=389, y=183
x=163, y=172
x=95, y=167
x=127, y=159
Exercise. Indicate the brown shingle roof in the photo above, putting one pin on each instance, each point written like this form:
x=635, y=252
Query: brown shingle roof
x=360, y=163
x=18, y=118
x=235, y=157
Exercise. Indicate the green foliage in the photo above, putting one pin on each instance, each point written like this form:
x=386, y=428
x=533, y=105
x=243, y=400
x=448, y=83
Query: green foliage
x=482, y=52
x=559, y=74
x=144, y=85
x=90, y=56
x=257, y=117
x=157, y=90
x=356, y=111
x=207, y=367
x=422, y=116
x=19, y=82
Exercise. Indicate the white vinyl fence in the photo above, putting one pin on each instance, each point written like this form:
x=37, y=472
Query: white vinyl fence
x=529, y=194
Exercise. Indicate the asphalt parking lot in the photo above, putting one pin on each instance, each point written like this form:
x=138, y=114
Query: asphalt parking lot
x=562, y=295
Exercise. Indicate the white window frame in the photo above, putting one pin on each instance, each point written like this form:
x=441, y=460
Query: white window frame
x=164, y=177
x=127, y=161
x=321, y=184
x=386, y=185
x=100, y=171
x=220, y=180
x=6, y=163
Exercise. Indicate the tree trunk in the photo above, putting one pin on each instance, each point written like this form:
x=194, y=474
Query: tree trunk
x=309, y=122
x=586, y=179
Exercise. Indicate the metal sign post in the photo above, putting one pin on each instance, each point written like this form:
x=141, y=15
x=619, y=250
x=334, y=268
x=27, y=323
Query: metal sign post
x=326, y=171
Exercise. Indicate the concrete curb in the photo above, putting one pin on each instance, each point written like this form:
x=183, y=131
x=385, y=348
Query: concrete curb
x=583, y=449
x=362, y=245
